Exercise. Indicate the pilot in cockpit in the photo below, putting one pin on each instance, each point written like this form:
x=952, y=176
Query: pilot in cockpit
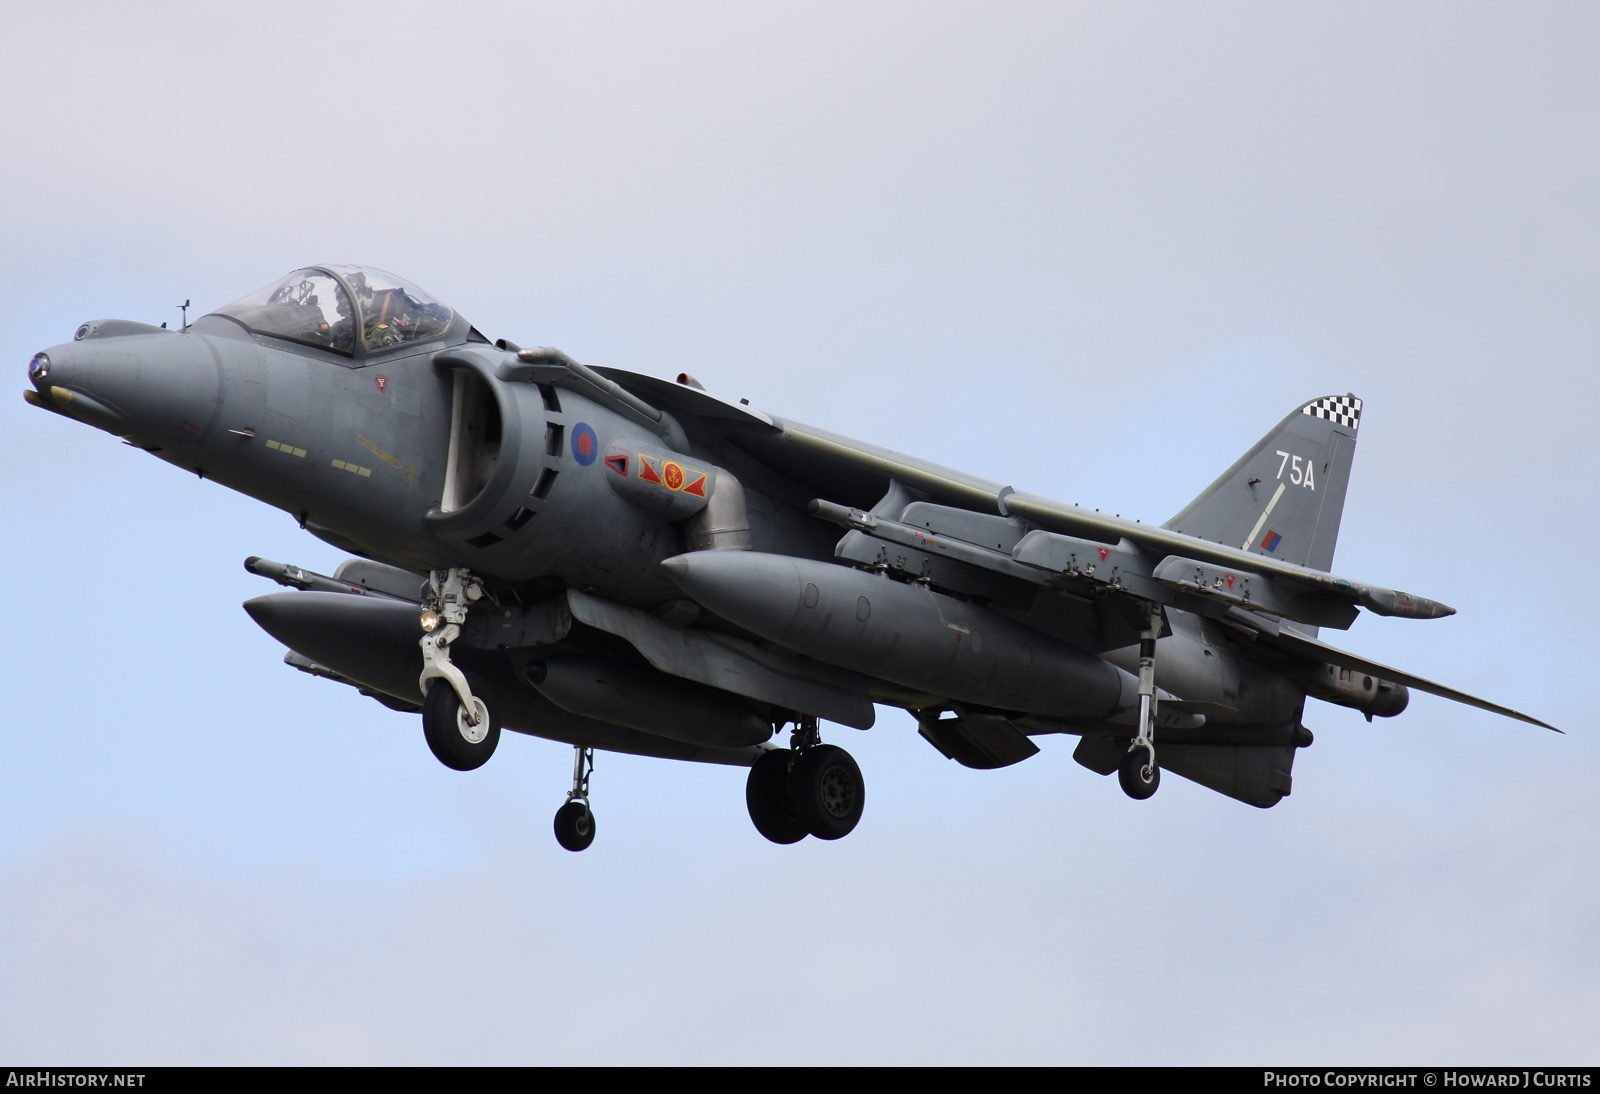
x=312, y=306
x=387, y=316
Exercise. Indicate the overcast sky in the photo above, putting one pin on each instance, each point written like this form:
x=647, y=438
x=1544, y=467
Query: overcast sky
x=1092, y=251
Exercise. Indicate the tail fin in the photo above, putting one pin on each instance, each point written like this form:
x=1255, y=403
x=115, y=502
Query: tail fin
x=1285, y=496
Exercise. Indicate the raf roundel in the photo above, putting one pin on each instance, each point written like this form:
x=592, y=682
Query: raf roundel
x=585, y=445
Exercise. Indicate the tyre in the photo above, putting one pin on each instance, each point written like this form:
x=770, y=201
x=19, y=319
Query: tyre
x=827, y=791
x=766, y=795
x=1138, y=775
x=575, y=826
x=456, y=742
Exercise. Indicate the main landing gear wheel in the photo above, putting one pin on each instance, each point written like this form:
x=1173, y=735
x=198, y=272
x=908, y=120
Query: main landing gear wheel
x=575, y=825
x=827, y=791
x=454, y=739
x=766, y=794
x=1138, y=773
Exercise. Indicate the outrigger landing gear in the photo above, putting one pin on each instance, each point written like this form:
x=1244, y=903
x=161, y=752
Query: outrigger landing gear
x=1138, y=773
x=807, y=789
x=458, y=719
x=574, y=820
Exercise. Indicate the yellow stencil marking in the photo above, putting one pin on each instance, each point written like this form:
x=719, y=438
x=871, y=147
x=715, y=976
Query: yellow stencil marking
x=376, y=451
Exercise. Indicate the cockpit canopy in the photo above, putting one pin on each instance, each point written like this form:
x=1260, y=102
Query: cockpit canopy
x=332, y=307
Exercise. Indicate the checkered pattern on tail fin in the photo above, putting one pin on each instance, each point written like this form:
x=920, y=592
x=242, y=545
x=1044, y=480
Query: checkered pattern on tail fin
x=1342, y=410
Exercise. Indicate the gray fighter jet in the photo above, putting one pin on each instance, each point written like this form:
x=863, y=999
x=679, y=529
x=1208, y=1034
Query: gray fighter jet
x=625, y=563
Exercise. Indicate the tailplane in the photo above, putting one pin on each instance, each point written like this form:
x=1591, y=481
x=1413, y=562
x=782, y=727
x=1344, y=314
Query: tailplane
x=1285, y=496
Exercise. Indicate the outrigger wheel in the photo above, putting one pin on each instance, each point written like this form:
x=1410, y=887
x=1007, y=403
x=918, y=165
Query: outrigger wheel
x=575, y=820
x=454, y=739
x=1138, y=773
x=575, y=825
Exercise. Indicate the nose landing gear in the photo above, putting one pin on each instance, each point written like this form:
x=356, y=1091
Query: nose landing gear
x=808, y=789
x=458, y=717
x=574, y=820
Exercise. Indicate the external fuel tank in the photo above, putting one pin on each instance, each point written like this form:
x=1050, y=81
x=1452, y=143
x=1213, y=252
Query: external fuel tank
x=906, y=633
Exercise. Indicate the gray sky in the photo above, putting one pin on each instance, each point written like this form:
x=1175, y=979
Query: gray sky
x=1091, y=251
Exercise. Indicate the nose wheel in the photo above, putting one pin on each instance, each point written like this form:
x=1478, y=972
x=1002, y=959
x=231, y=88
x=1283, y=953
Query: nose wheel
x=457, y=740
x=811, y=789
x=575, y=820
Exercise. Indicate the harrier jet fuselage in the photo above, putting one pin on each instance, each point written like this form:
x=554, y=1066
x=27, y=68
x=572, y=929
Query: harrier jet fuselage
x=625, y=563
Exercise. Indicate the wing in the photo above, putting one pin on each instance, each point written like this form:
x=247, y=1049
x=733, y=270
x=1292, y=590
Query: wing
x=1300, y=645
x=858, y=474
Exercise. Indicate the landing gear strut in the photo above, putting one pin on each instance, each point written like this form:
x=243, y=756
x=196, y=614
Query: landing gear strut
x=574, y=821
x=1138, y=773
x=458, y=718
x=807, y=789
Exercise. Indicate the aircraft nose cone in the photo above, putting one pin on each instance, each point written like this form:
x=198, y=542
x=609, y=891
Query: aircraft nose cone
x=132, y=380
x=62, y=382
